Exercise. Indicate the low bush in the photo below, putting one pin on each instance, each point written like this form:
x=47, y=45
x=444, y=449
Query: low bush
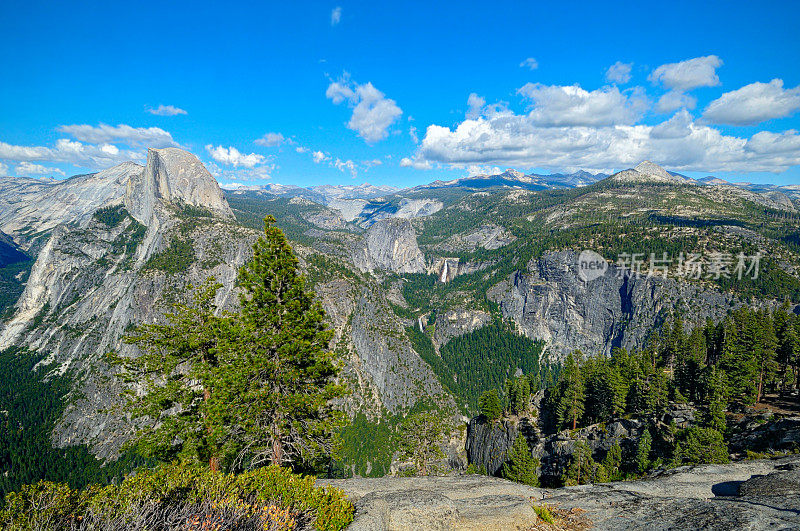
x=180, y=496
x=543, y=512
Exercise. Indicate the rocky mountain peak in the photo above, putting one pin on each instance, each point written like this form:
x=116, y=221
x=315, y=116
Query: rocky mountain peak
x=171, y=175
x=513, y=174
x=645, y=172
x=652, y=169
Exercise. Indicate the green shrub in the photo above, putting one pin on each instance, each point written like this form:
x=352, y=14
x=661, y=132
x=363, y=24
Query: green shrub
x=543, y=512
x=266, y=498
x=700, y=445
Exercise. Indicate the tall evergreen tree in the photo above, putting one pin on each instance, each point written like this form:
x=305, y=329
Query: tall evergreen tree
x=521, y=465
x=280, y=375
x=419, y=439
x=490, y=405
x=737, y=360
x=571, y=391
x=178, y=369
x=643, y=452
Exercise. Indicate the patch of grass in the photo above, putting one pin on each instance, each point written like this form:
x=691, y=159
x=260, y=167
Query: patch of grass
x=543, y=512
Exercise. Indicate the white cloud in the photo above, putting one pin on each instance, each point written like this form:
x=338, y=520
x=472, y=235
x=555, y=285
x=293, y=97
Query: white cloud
x=573, y=106
x=346, y=166
x=151, y=137
x=478, y=169
x=232, y=157
x=28, y=169
x=336, y=15
x=679, y=126
x=11, y=152
x=301, y=149
x=373, y=113
x=678, y=143
x=3, y=169
x=166, y=110
x=689, y=74
x=674, y=100
x=530, y=63
x=415, y=163
x=412, y=132
x=619, y=72
x=271, y=140
x=476, y=105
x=753, y=104
x=72, y=152
x=318, y=157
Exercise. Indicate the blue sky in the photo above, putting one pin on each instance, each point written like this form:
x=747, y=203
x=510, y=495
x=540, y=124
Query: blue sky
x=405, y=93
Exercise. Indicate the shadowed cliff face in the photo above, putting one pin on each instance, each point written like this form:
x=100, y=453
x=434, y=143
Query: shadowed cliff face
x=550, y=302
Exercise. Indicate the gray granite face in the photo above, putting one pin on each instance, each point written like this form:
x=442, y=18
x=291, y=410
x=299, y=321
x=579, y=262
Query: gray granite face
x=549, y=301
x=745, y=495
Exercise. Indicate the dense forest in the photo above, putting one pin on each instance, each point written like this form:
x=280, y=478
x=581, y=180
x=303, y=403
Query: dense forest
x=717, y=367
x=31, y=405
x=480, y=360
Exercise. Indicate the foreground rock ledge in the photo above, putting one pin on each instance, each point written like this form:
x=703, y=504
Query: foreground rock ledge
x=746, y=495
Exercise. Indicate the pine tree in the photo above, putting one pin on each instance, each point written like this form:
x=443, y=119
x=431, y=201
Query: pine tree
x=279, y=373
x=766, y=352
x=691, y=362
x=737, y=360
x=582, y=466
x=518, y=391
x=612, y=462
x=178, y=368
x=521, y=465
x=715, y=391
x=419, y=439
x=643, y=452
x=490, y=405
x=571, y=391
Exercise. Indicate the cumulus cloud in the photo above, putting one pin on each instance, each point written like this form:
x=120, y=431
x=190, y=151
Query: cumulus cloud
x=346, y=166
x=232, y=157
x=28, y=168
x=416, y=163
x=555, y=106
x=151, y=137
x=674, y=100
x=475, y=104
x=373, y=112
x=336, y=15
x=70, y=151
x=258, y=173
x=318, y=156
x=3, y=169
x=530, y=63
x=412, y=132
x=678, y=143
x=753, y=104
x=619, y=72
x=689, y=74
x=271, y=140
x=166, y=110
